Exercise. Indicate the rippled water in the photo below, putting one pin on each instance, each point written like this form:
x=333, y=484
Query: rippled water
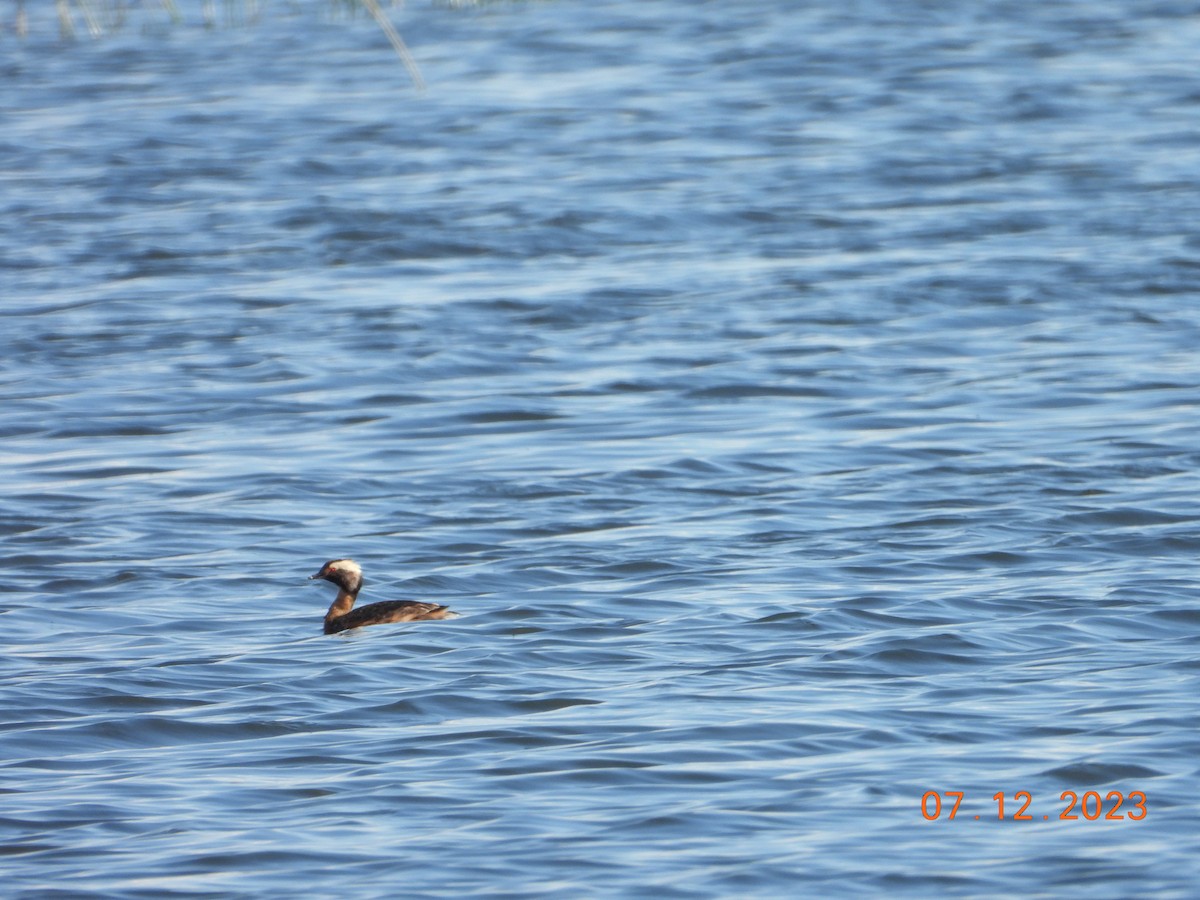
x=798, y=402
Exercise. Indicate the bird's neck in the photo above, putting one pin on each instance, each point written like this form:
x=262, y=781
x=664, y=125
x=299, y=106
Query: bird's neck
x=341, y=604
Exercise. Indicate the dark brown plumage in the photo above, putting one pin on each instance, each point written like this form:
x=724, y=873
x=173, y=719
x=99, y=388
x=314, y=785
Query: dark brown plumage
x=346, y=575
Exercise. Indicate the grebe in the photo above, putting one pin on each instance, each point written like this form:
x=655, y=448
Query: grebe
x=346, y=574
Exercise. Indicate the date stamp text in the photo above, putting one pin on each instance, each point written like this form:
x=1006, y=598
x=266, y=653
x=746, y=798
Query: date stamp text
x=1115, y=805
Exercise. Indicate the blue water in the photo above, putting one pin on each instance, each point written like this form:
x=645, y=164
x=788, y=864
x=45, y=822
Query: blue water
x=797, y=402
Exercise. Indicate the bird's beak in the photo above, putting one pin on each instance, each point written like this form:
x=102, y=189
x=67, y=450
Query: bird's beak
x=311, y=577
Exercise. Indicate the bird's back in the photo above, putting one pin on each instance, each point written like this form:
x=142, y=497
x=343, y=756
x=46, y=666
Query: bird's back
x=387, y=611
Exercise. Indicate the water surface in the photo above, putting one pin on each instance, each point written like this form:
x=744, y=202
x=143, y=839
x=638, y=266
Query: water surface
x=797, y=402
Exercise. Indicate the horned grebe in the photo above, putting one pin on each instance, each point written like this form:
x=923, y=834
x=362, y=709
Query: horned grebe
x=346, y=574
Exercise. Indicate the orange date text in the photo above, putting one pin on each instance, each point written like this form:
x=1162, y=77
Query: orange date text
x=1072, y=805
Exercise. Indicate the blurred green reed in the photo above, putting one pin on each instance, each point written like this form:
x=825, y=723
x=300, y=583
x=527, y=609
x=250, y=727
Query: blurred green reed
x=100, y=17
